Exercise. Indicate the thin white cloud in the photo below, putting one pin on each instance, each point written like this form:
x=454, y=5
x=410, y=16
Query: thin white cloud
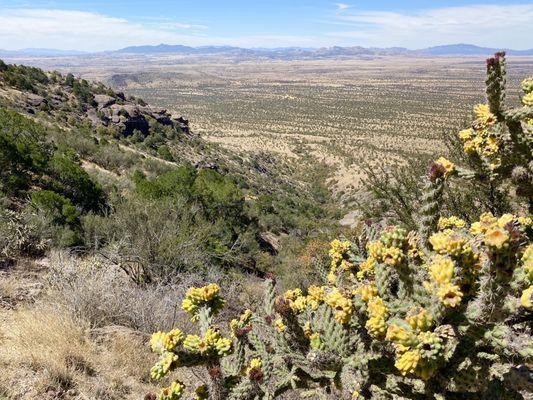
x=486, y=25
x=342, y=6
x=88, y=31
x=80, y=30
x=180, y=25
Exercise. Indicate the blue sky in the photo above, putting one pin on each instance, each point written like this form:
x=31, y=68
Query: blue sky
x=107, y=25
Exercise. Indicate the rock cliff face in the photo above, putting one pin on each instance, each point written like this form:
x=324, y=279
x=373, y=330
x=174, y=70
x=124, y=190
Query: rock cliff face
x=59, y=95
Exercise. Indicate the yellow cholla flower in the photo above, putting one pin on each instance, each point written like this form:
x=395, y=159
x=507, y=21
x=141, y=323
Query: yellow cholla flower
x=204, y=296
x=215, y=342
x=441, y=269
x=367, y=292
x=346, y=265
x=450, y=295
x=486, y=220
x=374, y=249
x=292, y=294
x=376, y=326
x=392, y=256
x=212, y=342
x=189, y=306
x=173, y=338
x=233, y=325
x=469, y=147
x=527, y=85
x=211, y=336
x=448, y=166
x=447, y=242
x=366, y=267
x=527, y=100
x=506, y=219
x=192, y=343
x=163, y=366
x=408, y=362
x=279, y=325
x=483, y=115
x=315, y=296
x=465, y=134
x=421, y=321
x=224, y=347
x=308, y=331
x=299, y=304
x=246, y=315
x=255, y=363
x=243, y=322
x=526, y=298
x=525, y=221
x=173, y=392
x=491, y=147
x=378, y=312
x=342, y=306
x=338, y=246
x=157, y=342
x=377, y=307
x=205, y=293
x=451, y=222
x=496, y=237
x=399, y=335
x=429, y=338
x=338, y=250
x=297, y=301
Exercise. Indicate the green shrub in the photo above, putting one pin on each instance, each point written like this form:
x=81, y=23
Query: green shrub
x=23, y=151
x=72, y=181
x=23, y=77
x=177, y=182
x=164, y=153
x=58, y=208
x=218, y=194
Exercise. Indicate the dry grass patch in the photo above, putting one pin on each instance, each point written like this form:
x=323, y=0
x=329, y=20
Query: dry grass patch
x=47, y=344
x=47, y=353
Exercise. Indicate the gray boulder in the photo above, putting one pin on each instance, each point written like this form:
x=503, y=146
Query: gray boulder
x=103, y=100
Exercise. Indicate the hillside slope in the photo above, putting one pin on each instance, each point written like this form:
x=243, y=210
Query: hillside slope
x=140, y=163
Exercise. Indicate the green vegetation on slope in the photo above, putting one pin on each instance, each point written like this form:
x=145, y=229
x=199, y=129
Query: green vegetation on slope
x=108, y=174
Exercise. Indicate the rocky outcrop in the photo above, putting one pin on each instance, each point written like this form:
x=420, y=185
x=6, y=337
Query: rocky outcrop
x=103, y=100
x=109, y=109
x=128, y=117
x=35, y=100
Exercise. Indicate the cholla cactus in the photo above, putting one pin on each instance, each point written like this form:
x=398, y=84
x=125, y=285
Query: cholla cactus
x=399, y=321
x=177, y=349
x=444, y=312
x=500, y=139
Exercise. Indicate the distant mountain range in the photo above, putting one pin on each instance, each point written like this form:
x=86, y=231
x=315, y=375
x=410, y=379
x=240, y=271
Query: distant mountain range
x=283, y=53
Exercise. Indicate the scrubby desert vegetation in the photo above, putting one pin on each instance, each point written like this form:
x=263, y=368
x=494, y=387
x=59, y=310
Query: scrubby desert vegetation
x=346, y=113
x=113, y=212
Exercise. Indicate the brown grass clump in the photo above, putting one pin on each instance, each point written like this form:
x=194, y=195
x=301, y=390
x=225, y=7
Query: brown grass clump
x=77, y=328
x=46, y=344
x=47, y=353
